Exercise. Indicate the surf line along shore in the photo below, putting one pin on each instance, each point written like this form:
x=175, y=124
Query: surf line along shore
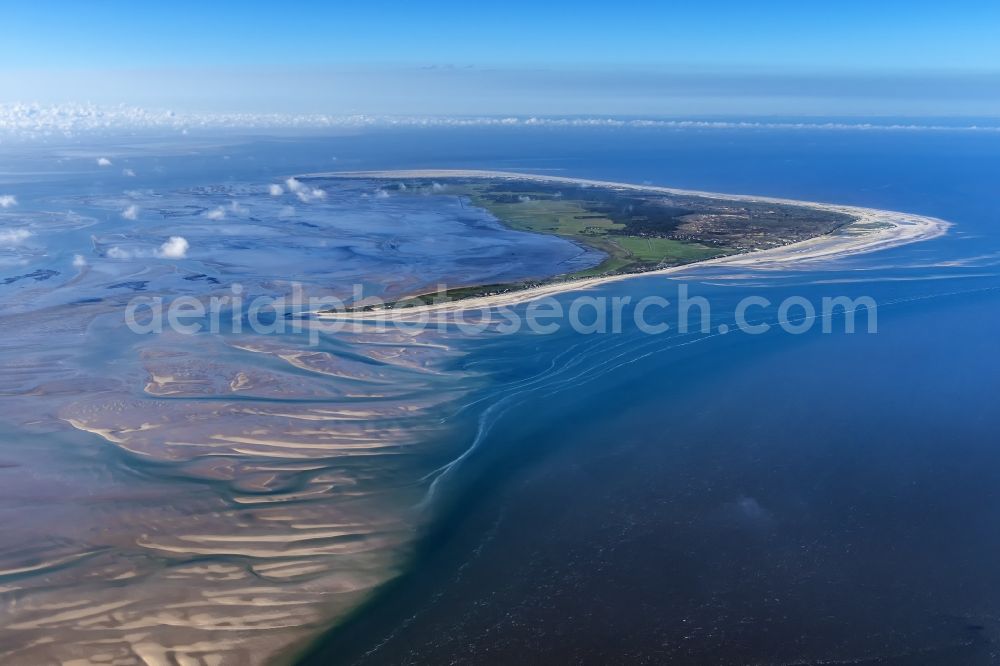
x=871, y=230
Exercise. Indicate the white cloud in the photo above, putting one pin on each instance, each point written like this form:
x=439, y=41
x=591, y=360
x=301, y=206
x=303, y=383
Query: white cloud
x=216, y=213
x=128, y=172
x=131, y=212
x=304, y=192
x=175, y=248
x=103, y=162
x=275, y=190
x=12, y=237
x=7, y=200
x=79, y=261
x=41, y=121
x=314, y=194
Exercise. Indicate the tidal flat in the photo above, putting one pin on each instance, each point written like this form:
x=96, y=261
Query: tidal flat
x=219, y=498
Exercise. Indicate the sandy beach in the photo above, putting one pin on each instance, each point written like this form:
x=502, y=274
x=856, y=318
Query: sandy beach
x=873, y=230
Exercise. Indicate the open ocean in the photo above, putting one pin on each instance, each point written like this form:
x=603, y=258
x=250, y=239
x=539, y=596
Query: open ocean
x=618, y=498
x=769, y=499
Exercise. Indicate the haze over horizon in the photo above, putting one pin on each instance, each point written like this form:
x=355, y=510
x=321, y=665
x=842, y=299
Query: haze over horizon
x=721, y=58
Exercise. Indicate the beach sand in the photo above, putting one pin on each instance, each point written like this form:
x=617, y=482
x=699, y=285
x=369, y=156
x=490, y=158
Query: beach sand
x=873, y=230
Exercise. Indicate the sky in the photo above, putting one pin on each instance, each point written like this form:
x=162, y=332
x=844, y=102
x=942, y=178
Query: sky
x=714, y=57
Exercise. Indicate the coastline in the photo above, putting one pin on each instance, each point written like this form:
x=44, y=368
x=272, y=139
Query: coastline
x=873, y=230
x=445, y=547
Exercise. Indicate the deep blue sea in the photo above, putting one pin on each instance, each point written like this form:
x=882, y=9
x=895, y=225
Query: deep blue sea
x=736, y=499
x=606, y=498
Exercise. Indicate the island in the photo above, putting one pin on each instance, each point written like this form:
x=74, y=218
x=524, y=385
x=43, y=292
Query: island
x=635, y=228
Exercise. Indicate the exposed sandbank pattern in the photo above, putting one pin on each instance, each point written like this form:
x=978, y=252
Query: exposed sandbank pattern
x=208, y=500
x=290, y=503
